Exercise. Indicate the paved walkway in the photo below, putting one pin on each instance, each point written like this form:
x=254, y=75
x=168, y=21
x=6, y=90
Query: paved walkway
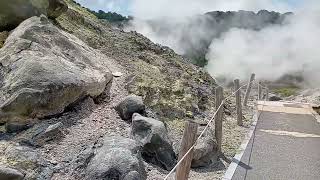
x=284, y=146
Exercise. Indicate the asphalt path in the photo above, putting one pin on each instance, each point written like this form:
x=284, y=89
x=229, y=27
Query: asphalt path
x=284, y=146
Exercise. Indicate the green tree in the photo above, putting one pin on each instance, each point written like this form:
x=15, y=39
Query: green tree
x=110, y=16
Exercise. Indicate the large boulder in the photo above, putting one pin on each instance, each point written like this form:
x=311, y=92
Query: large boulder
x=13, y=12
x=10, y=174
x=119, y=158
x=153, y=135
x=205, y=152
x=131, y=104
x=44, y=70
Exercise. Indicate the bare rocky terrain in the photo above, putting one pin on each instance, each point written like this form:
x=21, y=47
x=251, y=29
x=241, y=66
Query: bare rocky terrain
x=71, y=87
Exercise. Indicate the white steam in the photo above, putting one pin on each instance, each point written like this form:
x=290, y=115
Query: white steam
x=177, y=18
x=173, y=32
x=272, y=52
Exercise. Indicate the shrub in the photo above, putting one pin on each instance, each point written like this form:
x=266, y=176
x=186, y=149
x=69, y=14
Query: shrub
x=286, y=91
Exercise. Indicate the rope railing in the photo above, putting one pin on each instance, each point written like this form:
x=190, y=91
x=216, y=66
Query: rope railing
x=190, y=149
x=263, y=86
x=216, y=81
x=238, y=90
x=206, y=127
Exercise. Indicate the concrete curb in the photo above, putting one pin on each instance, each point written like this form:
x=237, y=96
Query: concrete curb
x=237, y=158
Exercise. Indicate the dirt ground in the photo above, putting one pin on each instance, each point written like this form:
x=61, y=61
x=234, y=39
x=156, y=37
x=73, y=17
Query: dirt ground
x=89, y=122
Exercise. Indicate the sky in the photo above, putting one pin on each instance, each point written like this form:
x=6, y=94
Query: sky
x=142, y=8
x=119, y=6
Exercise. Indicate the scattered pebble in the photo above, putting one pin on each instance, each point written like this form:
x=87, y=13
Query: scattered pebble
x=117, y=74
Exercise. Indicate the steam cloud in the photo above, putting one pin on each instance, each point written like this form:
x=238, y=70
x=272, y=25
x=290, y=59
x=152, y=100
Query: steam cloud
x=271, y=52
x=172, y=20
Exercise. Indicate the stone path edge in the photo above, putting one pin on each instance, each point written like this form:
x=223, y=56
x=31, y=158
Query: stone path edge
x=237, y=158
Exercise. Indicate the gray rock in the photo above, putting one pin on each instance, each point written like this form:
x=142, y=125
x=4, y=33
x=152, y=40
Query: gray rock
x=45, y=69
x=53, y=128
x=10, y=174
x=14, y=127
x=119, y=158
x=275, y=98
x=53, y=132
x=13, y=12
x=25, y=159
x=131, y=104
x=205, y=152
x=153, y=135
x=105, y=95
x=80, y=162
x=40, y=134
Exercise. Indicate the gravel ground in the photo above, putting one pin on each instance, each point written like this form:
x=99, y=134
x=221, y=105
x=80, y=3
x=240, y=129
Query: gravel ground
x=307, y=96
x=233, y=136
x=88, y=122
x=84, y=125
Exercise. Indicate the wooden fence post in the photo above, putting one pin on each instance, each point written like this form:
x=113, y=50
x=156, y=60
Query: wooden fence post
x=238, y=101
x=259, y=90
x=219, y=117
x=267, y=94
x=246, y=97
x=188, y=140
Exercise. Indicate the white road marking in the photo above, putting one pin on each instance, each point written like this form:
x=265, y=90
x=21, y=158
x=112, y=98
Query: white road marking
x=271, y=107
x=288, y=133
x=237, y=158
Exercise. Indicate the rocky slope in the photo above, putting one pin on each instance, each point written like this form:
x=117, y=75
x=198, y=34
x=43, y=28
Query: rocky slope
x=65, y=112
x=171, y=87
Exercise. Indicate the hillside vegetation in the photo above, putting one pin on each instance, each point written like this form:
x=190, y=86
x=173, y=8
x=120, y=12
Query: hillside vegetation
x=169, y=85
